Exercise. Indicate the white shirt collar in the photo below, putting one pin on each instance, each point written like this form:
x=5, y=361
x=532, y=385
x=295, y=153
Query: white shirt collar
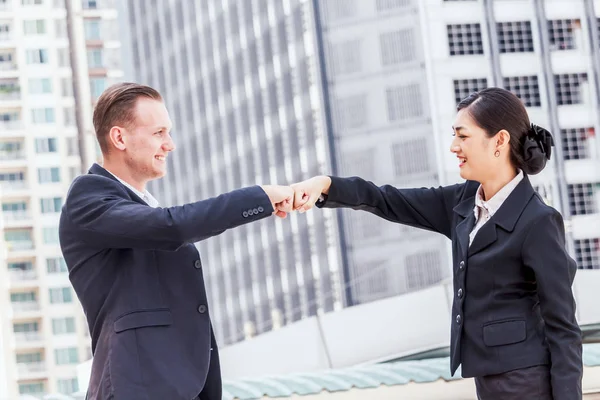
x=492, y=205
x=146, y=196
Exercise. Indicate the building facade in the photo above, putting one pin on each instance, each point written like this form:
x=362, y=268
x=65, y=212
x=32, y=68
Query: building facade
x=55, y=56
x=278, y=91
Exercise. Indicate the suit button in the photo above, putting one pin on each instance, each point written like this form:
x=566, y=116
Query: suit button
x=461, y=265
x=245, y=214
x=260, y=209
x=458, y=319
x=197, y=264
x=202, y=309
x=255, y=211
x=460, y=293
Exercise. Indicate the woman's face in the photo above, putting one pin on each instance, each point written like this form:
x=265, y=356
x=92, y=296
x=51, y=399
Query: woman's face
x=474, y=149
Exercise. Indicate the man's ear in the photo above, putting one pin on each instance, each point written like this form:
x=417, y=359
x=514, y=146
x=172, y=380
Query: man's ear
x=117, y=137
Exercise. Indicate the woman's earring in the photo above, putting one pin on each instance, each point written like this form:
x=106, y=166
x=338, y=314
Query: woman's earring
x=497, y=153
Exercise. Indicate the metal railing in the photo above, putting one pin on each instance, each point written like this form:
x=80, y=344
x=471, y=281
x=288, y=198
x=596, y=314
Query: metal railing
x=27, y=337
x=31, y=368
x=22, y=275
x=19, y=306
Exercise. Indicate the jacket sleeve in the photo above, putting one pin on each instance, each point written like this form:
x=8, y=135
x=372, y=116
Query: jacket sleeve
x=426, y=208
x=98, y=209
x=545, y=253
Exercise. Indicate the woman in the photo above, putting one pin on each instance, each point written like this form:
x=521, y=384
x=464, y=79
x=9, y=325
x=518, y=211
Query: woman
x=513, y=325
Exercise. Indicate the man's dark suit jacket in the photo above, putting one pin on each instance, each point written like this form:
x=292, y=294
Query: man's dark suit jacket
x=139, y=278
x=513, y=306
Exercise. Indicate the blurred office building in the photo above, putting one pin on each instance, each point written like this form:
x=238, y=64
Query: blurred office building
x=276, y=91
x=55, y=57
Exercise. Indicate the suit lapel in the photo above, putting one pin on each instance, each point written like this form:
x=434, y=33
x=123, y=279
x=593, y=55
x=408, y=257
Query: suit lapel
x=505, y=218
x=484, y=237
x=467, y=220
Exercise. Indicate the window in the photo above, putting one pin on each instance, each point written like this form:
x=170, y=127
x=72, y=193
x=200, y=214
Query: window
x=67, y=355
x=361, y=162
x=423, y=269
x=60, y=26
x=95, y=59
x=340, y=9
x=92, y=29
x=69, y=116
x=60, y=295
x=50, y=205
x=587, y=253
x=67, y=386
x=12, y=177
x=568, y=88
x=20, y=266
x=561, y=33
x=50, y=234
x=26, y=327
x=351, y=112
x=42, y=115
x=40, y=86
x=73, y=146
x=63, y=326
x=526, y=88
x=97, y=86
x=37, y=56
x=87, y=4
x=515, y=37
x=46, y=145
x=32, y=388
x=465, y=39
x=32, y=2
x=66, y=86
x=56, y=265
x=346, y=57
x=48, y=175
x=397, y=47
x=411, y=158
x=575, y=143
x=34, y=27
x=404, y=102
x=386, y=5
x=464, y=87
x=63, y=57
x=23, y=297
x=582, y=198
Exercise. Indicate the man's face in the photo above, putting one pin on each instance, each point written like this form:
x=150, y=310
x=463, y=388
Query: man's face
x=148, y=141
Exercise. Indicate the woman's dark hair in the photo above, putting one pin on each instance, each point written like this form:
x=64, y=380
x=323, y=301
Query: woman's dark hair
x=494, y=109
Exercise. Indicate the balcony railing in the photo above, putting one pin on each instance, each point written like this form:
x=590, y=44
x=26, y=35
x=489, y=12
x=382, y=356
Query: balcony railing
x=8, y=66
x=19, y=275
x=27, y=337
x=10, y=186
x=11, y=125
x=19, y=215
x=12, y=155
x=5, y=35
x=10, y=93
x=24, y=369
x=20, y=306
x=7, y=6
x=18, y=245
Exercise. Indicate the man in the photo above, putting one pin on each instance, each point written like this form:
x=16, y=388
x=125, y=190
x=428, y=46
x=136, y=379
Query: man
x=133, y=265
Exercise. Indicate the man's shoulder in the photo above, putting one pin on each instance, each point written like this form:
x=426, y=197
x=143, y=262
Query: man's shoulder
x=94, y=184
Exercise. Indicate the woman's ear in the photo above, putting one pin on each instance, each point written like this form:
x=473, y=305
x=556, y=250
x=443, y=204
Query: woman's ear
x=502, y=140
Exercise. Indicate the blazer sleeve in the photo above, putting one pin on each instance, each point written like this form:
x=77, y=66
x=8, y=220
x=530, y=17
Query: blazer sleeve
x=426, y=208
x=545, y=253
x=98, y=209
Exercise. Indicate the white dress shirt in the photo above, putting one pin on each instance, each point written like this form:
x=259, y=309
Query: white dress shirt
x=485, y=209
x=146, y=196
